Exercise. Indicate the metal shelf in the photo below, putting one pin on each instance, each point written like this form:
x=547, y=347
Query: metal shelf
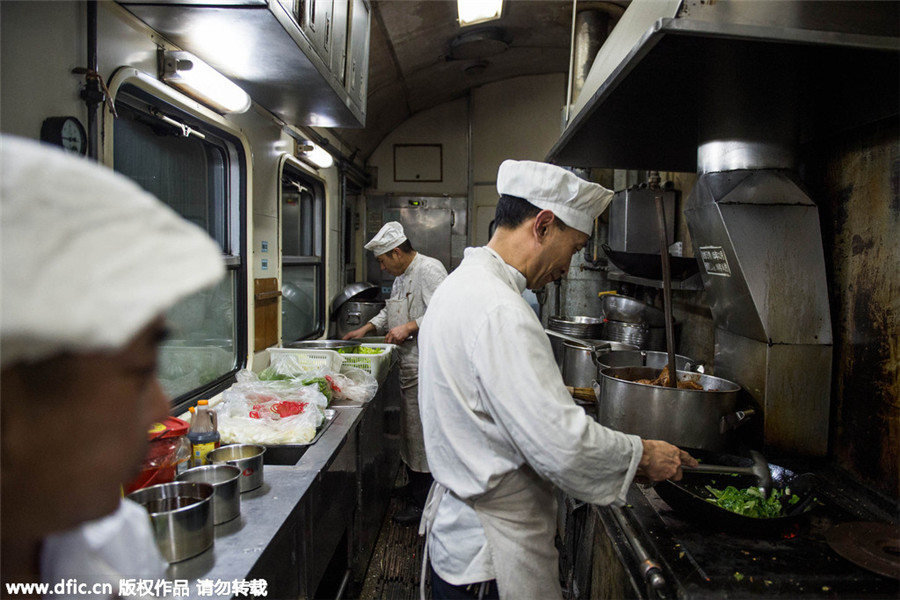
x=693, y=283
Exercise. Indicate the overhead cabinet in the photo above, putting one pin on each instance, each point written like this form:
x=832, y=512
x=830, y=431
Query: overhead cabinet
x=304, y=60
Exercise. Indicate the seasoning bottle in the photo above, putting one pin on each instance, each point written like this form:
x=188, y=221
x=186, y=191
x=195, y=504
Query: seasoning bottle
x=203, y=433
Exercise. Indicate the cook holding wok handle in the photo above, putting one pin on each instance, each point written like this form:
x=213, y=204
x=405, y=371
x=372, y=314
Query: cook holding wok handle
x=501, y=430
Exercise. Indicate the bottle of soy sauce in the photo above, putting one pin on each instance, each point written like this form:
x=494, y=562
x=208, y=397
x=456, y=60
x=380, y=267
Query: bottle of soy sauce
x=203, y=433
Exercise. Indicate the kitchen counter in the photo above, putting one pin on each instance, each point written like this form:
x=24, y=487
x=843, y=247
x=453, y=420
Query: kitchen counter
x=302, y=516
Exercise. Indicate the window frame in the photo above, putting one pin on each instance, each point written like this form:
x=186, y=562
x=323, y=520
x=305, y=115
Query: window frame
x=238, y=173
x=290, y=163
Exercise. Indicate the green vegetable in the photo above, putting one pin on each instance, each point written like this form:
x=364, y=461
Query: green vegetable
x=324, y=385
x=749, y=502
x=360, y=350
x=270, y=374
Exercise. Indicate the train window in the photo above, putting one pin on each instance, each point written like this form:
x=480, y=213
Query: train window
x=302, y=253
x=197, y=169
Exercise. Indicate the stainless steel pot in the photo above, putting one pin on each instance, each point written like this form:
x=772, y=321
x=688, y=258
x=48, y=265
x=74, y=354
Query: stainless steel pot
x=225, y=479
x=581, y=327
x=644, y=358
x=353, y=315
x=580, y=367
x=181, y=515
x=246, y=457
x=689, y=418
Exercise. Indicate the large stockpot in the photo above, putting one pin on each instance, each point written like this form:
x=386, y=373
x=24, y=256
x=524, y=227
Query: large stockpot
x=353, y=315
x=580, y=368
x=644, y=358
x=690, y=418
x=632, y=357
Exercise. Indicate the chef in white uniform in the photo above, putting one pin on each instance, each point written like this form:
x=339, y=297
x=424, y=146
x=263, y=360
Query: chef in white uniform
x=500, y=428
x=416, y=278
x=90, y=262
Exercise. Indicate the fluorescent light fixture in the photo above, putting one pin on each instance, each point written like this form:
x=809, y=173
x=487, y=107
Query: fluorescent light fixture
x=203, y=83
x=478, y=11
x=317, y=155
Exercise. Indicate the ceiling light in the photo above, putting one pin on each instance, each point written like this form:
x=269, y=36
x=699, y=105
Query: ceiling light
x=478, y=11
x=316, y=155
x=203, y=83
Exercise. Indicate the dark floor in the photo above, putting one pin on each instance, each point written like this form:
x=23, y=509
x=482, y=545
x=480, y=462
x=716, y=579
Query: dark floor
x=396, y=564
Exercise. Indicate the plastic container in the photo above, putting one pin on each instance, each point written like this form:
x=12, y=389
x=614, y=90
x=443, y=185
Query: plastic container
x=169, y=453
x=203, y=433
x=312, y=358
x=376, y=365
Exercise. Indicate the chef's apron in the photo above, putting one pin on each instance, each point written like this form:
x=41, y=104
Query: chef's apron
x=412, y=447
x=519, y=521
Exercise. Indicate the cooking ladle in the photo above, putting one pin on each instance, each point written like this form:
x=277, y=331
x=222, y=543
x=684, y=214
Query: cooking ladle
x=595, y=348
x=760, y=470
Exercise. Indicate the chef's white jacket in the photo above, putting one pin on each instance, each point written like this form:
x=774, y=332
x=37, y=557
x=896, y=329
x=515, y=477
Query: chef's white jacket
x=416, y=284
x=117, y=548
x=492, y=400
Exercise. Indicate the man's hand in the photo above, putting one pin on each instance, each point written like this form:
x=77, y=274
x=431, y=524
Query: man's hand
x=358, y=333
x=662, y=460
x=398, y=334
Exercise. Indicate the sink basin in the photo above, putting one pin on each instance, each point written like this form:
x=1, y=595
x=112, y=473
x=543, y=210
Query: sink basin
x=287, y=454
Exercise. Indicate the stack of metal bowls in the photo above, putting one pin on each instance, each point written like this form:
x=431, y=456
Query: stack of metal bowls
x=583, y=328
x=631, y=321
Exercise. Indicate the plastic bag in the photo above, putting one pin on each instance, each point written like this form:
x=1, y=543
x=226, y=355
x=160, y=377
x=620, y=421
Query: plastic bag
x=270, y=412
x=355, y=385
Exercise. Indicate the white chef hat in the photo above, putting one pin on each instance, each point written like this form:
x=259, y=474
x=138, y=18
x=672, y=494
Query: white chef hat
x=87, y=258
x=574, y=200
x=388, y=237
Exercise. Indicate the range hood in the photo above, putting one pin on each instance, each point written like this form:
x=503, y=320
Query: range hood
x=731, y=89
x=639, y=108
x=272, y=50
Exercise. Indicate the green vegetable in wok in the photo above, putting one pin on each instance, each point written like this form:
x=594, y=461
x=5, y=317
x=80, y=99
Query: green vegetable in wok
x=750, y=502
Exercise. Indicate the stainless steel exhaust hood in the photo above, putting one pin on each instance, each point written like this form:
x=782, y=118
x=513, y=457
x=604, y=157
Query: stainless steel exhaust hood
x=639, y=105
x=731, y=88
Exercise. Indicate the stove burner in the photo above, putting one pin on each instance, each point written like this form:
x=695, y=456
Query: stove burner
x=872, y=546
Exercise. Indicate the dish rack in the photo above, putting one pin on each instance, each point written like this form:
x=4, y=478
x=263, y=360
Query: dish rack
x=375, y=364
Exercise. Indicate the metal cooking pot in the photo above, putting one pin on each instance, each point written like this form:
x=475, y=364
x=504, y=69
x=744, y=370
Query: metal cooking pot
x=580, y=368
x=644, y=358
x=640, y=358
x=246, y=457
x=353, y=315
x=690, y=418
x=181, y=516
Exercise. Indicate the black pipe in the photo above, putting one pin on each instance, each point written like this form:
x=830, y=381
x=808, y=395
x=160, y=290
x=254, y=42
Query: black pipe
x=92, y=92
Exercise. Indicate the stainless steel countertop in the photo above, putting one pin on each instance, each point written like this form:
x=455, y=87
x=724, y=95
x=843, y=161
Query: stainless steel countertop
x=266, y=513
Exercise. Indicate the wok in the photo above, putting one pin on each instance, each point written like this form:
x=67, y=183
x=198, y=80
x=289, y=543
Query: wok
x=649, y=266
x=688, y=496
